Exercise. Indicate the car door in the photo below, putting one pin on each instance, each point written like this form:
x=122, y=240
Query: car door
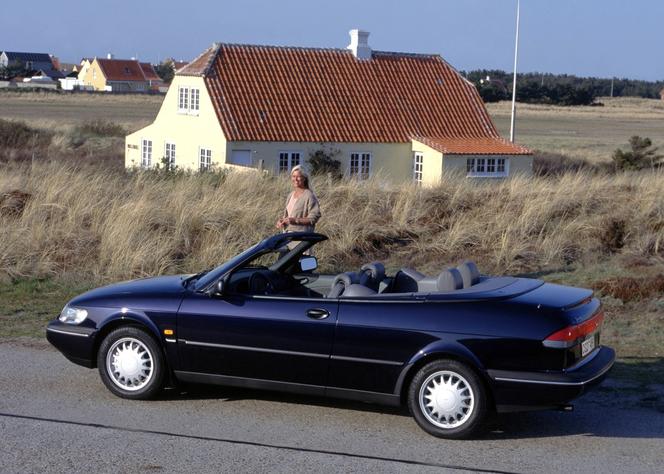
x=285, y=339
x=373, y=342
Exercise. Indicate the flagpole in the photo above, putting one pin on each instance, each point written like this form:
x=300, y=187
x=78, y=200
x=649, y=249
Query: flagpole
x=516, y=52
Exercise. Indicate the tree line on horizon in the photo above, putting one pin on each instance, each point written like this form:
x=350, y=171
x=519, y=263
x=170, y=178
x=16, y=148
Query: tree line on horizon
x=558, y=89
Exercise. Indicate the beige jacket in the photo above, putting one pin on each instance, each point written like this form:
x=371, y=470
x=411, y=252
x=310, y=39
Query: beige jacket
x=305, y=206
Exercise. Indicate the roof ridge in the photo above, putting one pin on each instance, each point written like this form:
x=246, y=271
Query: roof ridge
x=341, y=50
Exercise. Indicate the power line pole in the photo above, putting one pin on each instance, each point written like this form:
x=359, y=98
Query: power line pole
x=612, y=87
x=516, y=53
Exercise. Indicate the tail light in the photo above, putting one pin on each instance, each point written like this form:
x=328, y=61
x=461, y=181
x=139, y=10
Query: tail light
x=571, y=335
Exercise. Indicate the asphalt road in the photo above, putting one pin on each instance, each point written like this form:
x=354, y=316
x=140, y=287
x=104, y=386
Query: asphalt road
x=58, y=417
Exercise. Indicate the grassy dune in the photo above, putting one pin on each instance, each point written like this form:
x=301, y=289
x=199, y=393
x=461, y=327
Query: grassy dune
x=115, y=225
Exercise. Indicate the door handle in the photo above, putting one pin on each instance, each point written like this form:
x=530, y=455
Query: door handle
x=317, y=313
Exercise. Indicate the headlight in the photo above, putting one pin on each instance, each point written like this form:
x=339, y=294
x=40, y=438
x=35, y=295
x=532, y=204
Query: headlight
x=71, y=315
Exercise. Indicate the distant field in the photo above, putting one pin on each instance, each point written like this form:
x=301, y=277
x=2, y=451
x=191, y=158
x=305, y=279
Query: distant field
x=62, y=110
x=592, y=133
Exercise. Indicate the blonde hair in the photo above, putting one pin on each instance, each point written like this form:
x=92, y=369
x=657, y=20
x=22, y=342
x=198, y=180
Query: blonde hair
x=303, y=173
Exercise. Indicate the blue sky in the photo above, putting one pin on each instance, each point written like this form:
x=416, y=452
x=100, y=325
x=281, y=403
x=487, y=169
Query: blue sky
x=600, y=38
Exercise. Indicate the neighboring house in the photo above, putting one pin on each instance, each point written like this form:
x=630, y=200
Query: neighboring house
x=397, y=115
x=155, y=83
x=117, y=75
x=71, y=82
x=31, y=62
x=661, y=94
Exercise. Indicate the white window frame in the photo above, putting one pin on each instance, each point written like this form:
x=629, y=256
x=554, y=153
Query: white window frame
x=487, y=167
x=361, y=165
x=194, y=101
x=146, y=153
x=289, y=161
x=418, y=166
x=204, y=159
x=170, y=154
x=183, y=99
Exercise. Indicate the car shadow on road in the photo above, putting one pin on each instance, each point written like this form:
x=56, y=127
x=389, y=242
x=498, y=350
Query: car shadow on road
x=628, y=404
x=232, y=394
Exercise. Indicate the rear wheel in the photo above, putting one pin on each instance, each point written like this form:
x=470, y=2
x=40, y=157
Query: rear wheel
x=447, y=399
x=131, y=364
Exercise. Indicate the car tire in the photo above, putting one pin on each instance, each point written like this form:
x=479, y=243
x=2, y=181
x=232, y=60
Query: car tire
x=131, y=363
x=447, y=399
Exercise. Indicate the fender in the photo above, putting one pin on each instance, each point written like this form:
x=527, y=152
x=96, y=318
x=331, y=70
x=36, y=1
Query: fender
x=137, y=316
x=442, y=349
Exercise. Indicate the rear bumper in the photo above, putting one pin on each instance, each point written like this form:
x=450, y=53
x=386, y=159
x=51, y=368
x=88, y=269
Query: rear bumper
x=515, y=391
x=75, y=342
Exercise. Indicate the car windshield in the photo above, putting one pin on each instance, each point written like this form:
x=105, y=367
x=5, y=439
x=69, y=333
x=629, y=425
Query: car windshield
x=215, y=273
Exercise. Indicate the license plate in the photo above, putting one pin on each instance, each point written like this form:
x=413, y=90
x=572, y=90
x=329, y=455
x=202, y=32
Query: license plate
x=587, y=346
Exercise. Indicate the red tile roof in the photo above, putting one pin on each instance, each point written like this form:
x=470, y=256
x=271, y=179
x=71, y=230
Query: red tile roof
x=149, y=72
x=268, y=93
x=473, y=146
x=121, y=69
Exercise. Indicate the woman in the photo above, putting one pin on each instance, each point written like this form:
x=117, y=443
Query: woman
x=302, y=209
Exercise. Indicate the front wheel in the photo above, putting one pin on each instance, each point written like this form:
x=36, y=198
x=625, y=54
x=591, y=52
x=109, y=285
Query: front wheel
x=131, y=364
x=447, y=399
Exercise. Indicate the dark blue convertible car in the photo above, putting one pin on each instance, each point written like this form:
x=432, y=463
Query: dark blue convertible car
x=453, y=346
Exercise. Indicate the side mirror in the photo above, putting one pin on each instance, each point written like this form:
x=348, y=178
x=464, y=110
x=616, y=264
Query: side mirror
x=218, y=288
x=308, y=264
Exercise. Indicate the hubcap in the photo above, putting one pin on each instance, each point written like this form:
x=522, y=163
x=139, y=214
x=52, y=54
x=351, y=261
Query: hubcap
x=129, y=364
x=446, y=399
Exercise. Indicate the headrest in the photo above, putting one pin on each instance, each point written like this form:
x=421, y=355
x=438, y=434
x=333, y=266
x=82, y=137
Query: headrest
x=376, y=271
x=450, y=280
x=469, y=273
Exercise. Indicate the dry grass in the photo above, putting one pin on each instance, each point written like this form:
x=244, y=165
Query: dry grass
x=112, y=225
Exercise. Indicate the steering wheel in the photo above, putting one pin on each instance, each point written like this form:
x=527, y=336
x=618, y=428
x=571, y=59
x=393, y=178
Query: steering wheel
x=260, y=284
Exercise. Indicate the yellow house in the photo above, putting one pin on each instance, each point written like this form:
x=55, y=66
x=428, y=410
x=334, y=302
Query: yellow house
x=398, y=115
x=116, y=75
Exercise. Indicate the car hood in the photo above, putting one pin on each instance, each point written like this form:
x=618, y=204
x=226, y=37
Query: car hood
x=128, y=293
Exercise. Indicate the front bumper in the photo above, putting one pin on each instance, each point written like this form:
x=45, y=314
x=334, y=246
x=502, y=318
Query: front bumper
x=75, y=342
x=515, y=391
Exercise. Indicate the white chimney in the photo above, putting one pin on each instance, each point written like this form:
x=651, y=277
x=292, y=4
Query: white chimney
x=359, y=44
x=110, y=56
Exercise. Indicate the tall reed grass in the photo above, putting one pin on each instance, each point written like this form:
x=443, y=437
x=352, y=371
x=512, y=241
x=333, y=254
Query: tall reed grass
x=109, y=224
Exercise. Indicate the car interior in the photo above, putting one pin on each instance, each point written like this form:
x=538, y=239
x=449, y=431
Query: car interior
x=290, y=272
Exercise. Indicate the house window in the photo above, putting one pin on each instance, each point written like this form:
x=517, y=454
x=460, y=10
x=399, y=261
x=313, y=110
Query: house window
x=418, y=160
x=288, y=160
x=195, y=100
x=487, y=167
x=241, y=157
x=146, y=153
x=360, y=165
x=169, y=154
x=205, y=159
x=183, y=100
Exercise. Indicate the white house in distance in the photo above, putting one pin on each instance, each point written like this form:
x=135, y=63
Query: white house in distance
x=402, y=116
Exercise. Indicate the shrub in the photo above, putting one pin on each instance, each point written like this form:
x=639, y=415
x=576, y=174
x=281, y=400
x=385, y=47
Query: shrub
x=556, y=164
x=100, y=128
x=323, y=163
x=642, y=155
x=16, y=134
